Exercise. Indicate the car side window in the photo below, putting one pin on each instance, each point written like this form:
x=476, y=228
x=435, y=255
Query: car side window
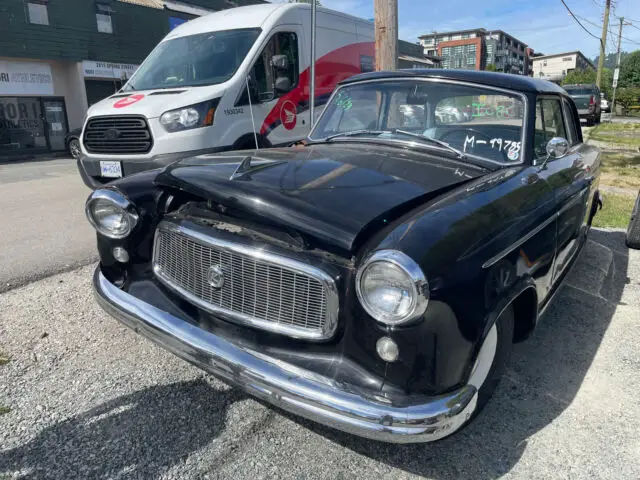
x=549, y=123
x=571, y=124
x=274, y=79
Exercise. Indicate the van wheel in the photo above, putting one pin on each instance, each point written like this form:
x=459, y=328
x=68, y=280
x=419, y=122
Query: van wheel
x=633, y=231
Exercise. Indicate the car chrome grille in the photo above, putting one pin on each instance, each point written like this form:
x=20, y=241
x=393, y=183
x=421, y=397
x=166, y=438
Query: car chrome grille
x=117, y=135
x=260, y=289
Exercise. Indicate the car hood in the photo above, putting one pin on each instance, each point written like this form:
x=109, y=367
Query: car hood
x=332, y=192
x=153, y=103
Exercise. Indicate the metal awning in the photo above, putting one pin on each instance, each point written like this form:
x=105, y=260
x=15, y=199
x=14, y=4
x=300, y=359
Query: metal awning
x=422, y=60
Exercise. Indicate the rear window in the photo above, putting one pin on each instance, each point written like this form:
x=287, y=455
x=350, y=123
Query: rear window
x=579, y=90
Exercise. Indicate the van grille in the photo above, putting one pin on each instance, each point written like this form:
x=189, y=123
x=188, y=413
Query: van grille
x=117, y=135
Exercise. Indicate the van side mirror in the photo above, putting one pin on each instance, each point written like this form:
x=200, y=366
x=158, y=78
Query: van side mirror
x=282, y=84
x=280, y=62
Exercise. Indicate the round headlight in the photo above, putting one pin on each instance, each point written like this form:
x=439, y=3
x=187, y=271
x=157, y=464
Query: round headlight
x=111, y=213
x=392, y=288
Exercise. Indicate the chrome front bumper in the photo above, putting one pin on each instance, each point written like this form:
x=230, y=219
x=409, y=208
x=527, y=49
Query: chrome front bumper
x=401, y=420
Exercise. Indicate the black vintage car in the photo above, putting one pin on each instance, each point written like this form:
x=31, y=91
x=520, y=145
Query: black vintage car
x=375, y=278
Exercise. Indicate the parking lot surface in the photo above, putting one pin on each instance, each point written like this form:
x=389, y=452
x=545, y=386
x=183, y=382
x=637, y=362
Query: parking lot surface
x=91, y=399
x=44, y=230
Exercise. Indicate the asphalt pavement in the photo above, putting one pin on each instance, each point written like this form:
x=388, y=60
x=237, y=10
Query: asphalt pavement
x=89, y=398
x=44, y=230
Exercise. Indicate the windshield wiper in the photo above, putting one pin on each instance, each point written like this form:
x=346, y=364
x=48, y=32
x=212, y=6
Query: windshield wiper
x=354, y=133
x=458, y=153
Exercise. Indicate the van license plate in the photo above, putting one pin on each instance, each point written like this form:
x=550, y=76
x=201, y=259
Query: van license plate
x=111, y=169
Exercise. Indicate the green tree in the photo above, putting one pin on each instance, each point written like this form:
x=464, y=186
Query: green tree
x=491, y=68
x=627, y=96
x=589, y=77
x=630, y=70
x=610, y=59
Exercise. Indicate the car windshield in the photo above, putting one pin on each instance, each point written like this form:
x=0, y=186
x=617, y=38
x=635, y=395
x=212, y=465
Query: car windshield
x=472, y=121
x=196, y=60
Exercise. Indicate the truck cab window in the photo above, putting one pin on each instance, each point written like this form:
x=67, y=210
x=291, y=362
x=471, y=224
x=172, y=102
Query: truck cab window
x=276, y=70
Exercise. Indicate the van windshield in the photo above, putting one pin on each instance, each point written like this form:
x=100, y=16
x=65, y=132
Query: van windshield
x=203, y=59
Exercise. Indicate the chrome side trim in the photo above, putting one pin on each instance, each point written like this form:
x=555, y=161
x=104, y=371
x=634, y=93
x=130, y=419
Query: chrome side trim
x=496, y=258
x=401, y=419
x=199, y=234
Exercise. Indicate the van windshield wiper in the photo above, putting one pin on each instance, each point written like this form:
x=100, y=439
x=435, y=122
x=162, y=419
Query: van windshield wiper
x=458, y=153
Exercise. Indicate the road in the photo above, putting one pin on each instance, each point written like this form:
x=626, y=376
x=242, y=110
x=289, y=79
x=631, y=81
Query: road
x=90, y=398
x=44, y=228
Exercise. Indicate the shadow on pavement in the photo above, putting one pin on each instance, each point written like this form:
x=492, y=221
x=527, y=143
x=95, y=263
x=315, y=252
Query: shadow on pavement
x=543, y=377
x=162, y=425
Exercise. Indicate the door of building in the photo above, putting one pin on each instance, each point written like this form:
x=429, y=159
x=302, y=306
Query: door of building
x=56, y=126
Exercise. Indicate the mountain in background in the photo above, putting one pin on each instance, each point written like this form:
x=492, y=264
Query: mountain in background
x=610, y=60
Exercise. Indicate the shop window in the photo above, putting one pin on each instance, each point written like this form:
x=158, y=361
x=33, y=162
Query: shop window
x=38, y=13
x=103, y=18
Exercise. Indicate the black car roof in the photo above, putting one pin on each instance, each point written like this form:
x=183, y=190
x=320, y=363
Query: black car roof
x=501, y=80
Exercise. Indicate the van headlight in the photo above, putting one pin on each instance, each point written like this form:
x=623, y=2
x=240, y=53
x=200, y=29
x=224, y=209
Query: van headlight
x=392, y=287
x=111, y=213
x=193, y=116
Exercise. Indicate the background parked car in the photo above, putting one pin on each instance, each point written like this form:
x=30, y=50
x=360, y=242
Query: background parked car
x=72, y=141
x=587, y=99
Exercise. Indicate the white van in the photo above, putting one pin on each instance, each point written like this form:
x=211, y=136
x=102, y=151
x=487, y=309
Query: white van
x=191, y=95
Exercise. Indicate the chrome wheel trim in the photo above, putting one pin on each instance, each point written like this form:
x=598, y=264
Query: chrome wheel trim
x=485, y=359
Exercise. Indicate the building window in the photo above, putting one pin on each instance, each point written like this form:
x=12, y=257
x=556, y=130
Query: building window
x=103, y=17
x=566, y=59
x=38, y=13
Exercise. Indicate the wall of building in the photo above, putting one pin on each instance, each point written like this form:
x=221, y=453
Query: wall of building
x=451, y=59
x=556, y=68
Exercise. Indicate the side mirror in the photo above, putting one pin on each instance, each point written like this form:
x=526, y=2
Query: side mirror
x=280, y=62
x=282, y=84
x=557, y=147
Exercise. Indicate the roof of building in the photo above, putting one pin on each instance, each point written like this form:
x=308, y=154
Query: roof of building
x=482, y=30
x=500, y=80
x=208, y=4
x=555, y=55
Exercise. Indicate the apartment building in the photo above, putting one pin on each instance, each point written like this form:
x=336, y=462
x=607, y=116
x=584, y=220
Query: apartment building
x=555, y=67
x=475, y=49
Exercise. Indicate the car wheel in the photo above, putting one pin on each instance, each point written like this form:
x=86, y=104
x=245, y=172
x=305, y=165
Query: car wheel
x=74, y=148
x=633, y=231
x=492, y=359
x=598, y=118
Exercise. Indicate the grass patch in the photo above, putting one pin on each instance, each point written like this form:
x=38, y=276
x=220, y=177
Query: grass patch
x=4, y=359
x=617, y=133
x=620, y=170
x=616, y=211
x=4, y=410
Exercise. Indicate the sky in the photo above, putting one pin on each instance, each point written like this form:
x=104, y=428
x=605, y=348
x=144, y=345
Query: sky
x=544, y=25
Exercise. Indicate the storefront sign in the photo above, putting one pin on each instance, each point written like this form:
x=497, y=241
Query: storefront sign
x=91, y=69
x=25, y=78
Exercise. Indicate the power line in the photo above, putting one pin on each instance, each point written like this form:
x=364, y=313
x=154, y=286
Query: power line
x=578, y=21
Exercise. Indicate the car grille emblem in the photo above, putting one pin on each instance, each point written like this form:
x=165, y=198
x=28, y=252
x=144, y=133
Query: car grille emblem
x=112, y=134
x=215, y=276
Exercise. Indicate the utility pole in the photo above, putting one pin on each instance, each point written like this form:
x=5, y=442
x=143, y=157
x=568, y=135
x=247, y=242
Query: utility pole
x=603, y=42
x=616, y=72
x=386, y=34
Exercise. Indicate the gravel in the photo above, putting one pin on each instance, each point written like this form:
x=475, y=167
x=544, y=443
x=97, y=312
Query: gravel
x=91, y=399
